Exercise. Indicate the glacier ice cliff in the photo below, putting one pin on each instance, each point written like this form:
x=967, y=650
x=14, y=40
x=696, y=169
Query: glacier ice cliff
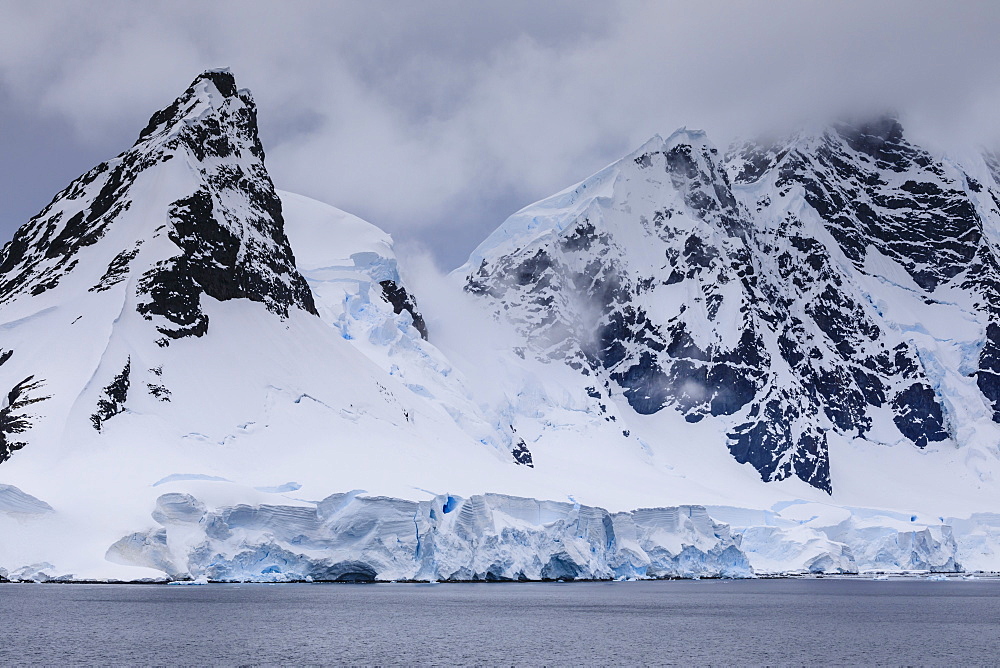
x=490, y=537
x=494, y=537
x=816, y=538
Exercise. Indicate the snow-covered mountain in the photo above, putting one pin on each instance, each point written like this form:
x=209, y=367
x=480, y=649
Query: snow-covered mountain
x=206, y=377
x=160, y=288
x=839, y=285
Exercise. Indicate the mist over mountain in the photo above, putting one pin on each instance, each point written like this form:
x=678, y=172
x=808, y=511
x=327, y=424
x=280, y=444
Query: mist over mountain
x=484, y=109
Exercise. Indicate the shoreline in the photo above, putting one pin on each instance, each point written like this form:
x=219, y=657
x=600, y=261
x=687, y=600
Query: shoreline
x=873, y=576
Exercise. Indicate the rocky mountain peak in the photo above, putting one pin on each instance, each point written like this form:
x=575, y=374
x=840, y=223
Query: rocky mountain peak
x=195, y=176
x=211, y=118
x=730, y=300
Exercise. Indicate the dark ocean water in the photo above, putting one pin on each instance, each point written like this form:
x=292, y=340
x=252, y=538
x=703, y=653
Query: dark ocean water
x=809, y=621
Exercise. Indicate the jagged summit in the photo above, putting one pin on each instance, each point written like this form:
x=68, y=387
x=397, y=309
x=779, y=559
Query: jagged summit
x=549, y=216
x=196, y=178
x=210, y=94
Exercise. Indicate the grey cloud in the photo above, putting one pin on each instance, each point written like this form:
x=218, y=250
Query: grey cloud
x=437, y=119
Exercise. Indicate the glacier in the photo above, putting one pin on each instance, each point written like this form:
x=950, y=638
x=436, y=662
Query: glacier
x=490, y=537
x=355, y=537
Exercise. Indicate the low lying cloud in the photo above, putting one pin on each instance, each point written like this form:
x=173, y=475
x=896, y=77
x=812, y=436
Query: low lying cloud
x=435, y=120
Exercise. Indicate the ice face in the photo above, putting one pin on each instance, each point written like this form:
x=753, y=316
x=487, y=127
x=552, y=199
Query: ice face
x=497, y=537
x=489, y=537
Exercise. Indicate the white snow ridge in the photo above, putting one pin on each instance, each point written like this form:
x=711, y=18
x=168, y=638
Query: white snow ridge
x=781, y=359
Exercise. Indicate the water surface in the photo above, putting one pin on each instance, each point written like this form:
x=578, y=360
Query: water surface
x=805, y=621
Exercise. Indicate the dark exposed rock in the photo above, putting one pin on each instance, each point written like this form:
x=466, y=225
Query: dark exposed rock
x=45, y=249
x=214, y=262
x=13, y=419
x=983, y=278
x=522, y=455
x=918, y=415
x=159, y=391
x=927, y=223
x=402, y=300
x=117, y=270
x=988, y=375
x=115, y=395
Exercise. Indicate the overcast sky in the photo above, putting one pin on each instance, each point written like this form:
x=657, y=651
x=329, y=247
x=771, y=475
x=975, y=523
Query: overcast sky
x=437, y=119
